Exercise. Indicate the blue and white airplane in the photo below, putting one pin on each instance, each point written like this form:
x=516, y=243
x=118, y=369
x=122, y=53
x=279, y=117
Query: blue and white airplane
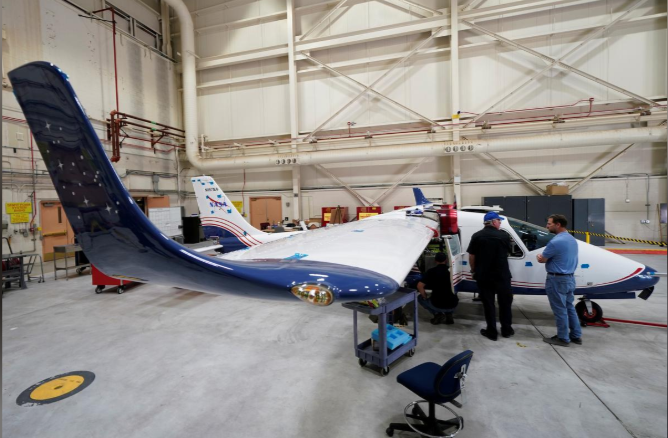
x=221, y=220
x=600, y=274
x=318, y=267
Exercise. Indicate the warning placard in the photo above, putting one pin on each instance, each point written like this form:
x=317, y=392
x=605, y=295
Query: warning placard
x=239, y=205
x=366, y=215
x=18, y=207
x=20, y=218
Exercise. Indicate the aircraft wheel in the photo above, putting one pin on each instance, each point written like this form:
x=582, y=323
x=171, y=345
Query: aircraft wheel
x=596, y=312
x=121, y=289
x=99, y=289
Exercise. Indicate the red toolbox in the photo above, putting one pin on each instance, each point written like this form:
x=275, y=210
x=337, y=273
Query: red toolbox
x=101, y=280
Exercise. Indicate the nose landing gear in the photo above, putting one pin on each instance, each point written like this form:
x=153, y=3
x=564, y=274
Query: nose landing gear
x=588, y=311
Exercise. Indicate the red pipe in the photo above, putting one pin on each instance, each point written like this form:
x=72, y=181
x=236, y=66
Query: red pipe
x=34, y=191
x=626, y=321
x=113, y=26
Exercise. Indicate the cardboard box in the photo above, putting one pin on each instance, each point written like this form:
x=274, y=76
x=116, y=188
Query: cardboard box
x=554, y=189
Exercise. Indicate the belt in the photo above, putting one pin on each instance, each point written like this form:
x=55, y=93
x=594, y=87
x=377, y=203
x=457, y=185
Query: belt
x=557, y=273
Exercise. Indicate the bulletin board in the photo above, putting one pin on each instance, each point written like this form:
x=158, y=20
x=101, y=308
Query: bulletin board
x=168, y=220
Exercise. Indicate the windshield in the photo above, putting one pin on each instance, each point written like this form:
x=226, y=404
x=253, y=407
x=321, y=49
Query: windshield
x=533, y=236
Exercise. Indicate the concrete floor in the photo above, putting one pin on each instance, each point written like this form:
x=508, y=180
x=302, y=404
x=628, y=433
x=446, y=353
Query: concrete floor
x=175, y=363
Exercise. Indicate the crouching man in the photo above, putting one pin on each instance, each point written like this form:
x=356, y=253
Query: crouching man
x=443, y=301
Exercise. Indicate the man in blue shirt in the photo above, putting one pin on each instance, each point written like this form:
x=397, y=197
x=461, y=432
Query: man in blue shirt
x=561, y=259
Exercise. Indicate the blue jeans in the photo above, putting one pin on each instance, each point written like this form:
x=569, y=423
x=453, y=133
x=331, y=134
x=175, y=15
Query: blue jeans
x=426, y=303
x=560, y=290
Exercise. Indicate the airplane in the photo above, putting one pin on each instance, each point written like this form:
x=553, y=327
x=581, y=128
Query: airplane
x=600, y=274
x=222, y=222
x=356, y=261
x=319, y=267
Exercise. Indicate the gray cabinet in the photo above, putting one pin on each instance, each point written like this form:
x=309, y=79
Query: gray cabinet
x=513, y=206
x=540, y=207
x=533, y=209
x=589, y=215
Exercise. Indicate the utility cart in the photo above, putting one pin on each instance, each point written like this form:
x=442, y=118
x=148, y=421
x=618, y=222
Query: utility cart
x=100, y=280
x=383, y=357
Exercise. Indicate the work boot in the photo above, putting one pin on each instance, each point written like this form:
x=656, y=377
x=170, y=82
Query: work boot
x=507, y=333
x=556, y=340
x=437, y=319
x=576, y=341
x=488, y=335
x=449, y=319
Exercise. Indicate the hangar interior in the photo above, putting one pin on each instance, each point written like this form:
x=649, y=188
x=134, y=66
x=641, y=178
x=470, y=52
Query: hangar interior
x=309, y=105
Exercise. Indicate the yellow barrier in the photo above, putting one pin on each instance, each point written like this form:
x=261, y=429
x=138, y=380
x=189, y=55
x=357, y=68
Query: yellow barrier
x=608, y=236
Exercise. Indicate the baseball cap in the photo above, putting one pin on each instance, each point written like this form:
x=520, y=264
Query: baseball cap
x=441, y=257
x=492, y=215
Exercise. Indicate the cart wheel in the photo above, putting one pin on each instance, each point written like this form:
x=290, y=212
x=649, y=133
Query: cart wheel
x=389, y=431
x=121, y=289
x=362, y=362
x=99, y=289
x=385, y=371
x=411, y=352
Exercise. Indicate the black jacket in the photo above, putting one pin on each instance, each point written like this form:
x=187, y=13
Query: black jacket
x=491, y=248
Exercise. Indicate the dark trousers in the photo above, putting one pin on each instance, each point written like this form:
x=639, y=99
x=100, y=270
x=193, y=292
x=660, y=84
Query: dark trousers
x=505, y=297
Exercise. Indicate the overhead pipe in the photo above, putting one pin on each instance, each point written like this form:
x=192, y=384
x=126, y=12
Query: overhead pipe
x=440, y=148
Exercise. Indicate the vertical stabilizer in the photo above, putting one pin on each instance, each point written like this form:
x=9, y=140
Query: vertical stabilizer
x=420, y=199
x=219, y=216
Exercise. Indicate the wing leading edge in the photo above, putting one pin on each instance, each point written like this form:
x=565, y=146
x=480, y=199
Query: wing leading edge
x=115, y=234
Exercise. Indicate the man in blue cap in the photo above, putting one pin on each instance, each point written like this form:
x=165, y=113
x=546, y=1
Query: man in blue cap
x=488, y=260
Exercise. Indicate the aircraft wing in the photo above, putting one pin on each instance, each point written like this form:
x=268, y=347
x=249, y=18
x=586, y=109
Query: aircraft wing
x=388, y=244
x=119, y=239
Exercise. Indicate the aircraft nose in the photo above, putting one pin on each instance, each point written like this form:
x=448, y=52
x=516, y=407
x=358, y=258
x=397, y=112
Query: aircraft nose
x=648, y=278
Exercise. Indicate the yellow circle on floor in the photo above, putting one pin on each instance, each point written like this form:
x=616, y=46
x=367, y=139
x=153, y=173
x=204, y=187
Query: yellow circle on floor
x=57, y=387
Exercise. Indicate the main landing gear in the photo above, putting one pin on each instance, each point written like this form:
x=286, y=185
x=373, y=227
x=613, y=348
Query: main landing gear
x=588, y=311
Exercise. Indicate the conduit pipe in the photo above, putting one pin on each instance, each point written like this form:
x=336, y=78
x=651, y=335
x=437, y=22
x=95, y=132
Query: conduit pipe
x=437, y=149
x=189, y=77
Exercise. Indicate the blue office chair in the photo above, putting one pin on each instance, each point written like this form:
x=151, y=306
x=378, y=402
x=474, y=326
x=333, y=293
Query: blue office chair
x=437, y=385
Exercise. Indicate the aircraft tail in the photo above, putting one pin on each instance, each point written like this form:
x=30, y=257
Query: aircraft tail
x=420, y=198
x=219, y=216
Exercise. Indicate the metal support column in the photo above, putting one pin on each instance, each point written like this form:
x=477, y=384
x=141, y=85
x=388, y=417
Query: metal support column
x=294, y=110
x=296, y=192
x=454, y=97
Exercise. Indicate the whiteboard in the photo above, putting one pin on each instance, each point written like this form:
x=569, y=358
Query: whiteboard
x=168, y=220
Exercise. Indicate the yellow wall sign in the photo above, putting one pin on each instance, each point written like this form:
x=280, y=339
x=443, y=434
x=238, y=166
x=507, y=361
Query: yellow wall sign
x=20, y=218
x=366, y=215
x=18, y=207
x=239, y=205
x=326, y=217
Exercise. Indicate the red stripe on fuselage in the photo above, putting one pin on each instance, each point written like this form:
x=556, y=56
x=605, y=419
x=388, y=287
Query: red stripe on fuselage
x=234, y=233
x=235, y=227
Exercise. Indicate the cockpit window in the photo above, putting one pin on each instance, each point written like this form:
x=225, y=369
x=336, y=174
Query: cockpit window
x=515, y=250
x=533, y=236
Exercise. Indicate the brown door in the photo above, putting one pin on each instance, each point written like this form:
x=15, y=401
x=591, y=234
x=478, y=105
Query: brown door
x=56, y=229
x=264, y=210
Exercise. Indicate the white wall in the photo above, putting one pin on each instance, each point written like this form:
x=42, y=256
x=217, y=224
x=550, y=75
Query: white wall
x=51, y=30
